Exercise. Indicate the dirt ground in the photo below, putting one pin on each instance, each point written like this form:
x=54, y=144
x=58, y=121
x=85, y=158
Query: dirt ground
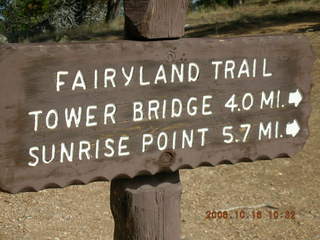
x=277, y=186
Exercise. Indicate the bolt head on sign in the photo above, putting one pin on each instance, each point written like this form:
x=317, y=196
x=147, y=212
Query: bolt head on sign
x=81, y=112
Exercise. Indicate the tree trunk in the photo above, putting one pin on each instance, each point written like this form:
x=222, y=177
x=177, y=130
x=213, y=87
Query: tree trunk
x=113, y=10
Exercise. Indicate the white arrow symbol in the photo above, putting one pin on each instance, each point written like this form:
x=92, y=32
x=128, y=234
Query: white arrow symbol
x=295, y=98
x=293, y=128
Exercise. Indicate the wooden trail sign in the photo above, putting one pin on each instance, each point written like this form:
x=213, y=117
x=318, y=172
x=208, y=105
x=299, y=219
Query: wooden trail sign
x=82, y=112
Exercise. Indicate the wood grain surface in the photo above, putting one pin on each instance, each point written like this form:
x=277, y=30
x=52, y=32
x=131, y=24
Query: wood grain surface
x=147, y=207
x=270, y=119
x=155, y=19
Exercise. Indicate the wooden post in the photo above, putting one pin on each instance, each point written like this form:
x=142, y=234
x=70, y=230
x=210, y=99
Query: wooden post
x=155, y=19
x=147, y=207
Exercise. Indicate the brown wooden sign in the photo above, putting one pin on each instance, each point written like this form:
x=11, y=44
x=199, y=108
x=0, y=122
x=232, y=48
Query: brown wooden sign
x=82, y=112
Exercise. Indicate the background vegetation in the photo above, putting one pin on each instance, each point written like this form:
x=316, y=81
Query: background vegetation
x=65, y=20
x=23, y=19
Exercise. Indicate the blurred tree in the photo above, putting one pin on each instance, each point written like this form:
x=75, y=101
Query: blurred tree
x=234, y=3
x=205, y=3
x=1, y=26
x=112, y=9
x=25, y=18
x=67, y=15
x=196, y=4
x=22, y=18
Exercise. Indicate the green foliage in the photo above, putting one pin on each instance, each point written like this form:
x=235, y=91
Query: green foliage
x=1, y=27
x=23, y=18
x=213, y=4
x=210, y=3
x=26, y=18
